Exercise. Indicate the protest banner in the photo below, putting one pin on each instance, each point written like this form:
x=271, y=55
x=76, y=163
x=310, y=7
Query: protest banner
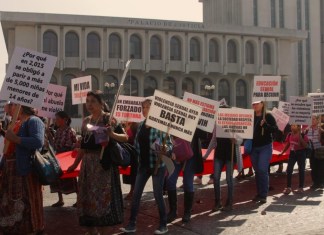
x=173, y=115
x=129, y=109
x=209, y=107
x=284, y=107
x=266, y=88
x=318, y=102
x=2, y=111
x=300, y=111
x=80, y=87
x=235, y=123
x=53, y=101
x=282, y=119
x=27, y=77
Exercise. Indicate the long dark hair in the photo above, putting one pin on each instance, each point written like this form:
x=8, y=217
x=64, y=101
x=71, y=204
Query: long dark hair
x=65, y=116
x=98, y=96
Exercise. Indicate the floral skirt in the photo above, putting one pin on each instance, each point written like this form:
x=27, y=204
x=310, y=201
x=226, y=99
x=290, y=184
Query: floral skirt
x=21, y=201
x=100, y=201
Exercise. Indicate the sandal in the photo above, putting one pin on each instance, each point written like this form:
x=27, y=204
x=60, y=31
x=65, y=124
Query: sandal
x=287, y=191
x=58, y=204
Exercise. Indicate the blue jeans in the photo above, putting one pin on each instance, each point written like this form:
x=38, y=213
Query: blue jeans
x=218, y=166
x=260, y=158
x=298, y=156
x=143, y=175
x=188, y=176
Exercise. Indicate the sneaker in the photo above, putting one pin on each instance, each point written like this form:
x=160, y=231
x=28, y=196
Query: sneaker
x=299, y=191
x=161, y=230
x=263, y=200
x=210, y=181
x=217, y=208
x=256, y=198
x=197, y=181
x=287, y=191
x=128, y=229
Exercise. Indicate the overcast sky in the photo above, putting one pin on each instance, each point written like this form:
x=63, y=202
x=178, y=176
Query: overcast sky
x=187, y=10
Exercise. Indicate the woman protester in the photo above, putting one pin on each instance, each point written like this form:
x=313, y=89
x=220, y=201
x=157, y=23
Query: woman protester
x=64, y=140
x=99, y=201
x=149, y=165
x=21, y=207
x=264, y=127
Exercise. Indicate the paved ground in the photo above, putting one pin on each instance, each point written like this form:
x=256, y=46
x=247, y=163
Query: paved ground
x=293, y=214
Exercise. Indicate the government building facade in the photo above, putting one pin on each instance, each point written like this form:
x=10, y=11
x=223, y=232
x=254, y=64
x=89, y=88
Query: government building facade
x=216, y=58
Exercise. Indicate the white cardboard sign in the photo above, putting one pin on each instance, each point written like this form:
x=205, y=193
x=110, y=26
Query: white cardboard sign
x=27, y=77
x=129, y=109
x=266, y=88
x=318, y=102
x=209, y=107
x=284, y=107
x=300, y=111
x=53, y=101
x=80, y=87
x=235, y=123
x=173, y=115
x=282, y=119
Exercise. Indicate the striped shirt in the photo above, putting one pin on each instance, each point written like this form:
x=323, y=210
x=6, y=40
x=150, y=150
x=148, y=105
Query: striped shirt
x=314, y=135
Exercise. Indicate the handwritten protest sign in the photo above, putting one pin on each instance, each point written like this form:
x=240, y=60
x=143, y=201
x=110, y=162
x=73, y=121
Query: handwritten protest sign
x=318, y=102
x=300, y=111
x=209, y=107
x=173, y=115
x=80, y=87
x=129, y=109
x=28, y=75
x=235, y=123
x=266, y=88
x=53, y=101
x=284, y=107
x=2, y=112
x=282, y=119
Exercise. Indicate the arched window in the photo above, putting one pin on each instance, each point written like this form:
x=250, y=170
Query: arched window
x=155, y=48
x=224, y=91
x=150, y=84
x=169, y=86
x=266, y=53
x=231, y=52
x=135, y=47
x=194, y=50
x=93, y=45
x=94, y=82
x=213, y=51
x=206, y=88
x=110, y=84
x=72, y=110
x=188, y=85
x=50, y=44
x=249, y=53
x=241, y=94
x=175, y=49
x=53, y=80
x=114, y=46
x=71, y=45
x=131, y=86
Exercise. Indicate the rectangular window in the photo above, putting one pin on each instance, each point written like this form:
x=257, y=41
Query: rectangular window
x=255, y=12
x=299, y=15
x=281, y=14
x=300, y=69
x=273, y=13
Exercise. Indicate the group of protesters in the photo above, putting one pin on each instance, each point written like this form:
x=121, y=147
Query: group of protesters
x=99, y=196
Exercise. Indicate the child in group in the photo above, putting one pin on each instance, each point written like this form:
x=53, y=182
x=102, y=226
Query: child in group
x=298, y=143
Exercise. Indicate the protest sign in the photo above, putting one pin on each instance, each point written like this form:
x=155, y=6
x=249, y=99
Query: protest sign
x=300, y=111
x=129, y=109
x=235, y=123
x=53, y=101
x=318, y=102
x=266, y=88
x=80, y=87
x=27, y=77
x=173, y=115
x=2, y=112
x=284, y=107
x=209, y=107
x=222, y=102
x=282, y=119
